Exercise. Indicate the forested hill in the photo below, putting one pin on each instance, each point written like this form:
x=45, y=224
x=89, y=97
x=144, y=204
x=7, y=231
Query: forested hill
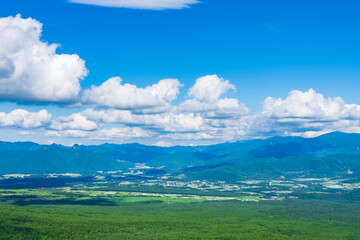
x=333, y=154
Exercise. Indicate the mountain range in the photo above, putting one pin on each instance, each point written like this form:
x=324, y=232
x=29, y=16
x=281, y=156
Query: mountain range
x=329, y=155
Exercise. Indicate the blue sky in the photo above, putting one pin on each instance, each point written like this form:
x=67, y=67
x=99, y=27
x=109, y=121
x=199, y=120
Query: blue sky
x=263, y=48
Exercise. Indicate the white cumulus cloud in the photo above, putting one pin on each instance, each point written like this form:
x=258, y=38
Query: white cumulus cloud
x=170, y=122
x=209, y=88
x=75, y=121
x=309, y=104
x=113, y=93
x=307, y=114
x=24, y=119
x=140, y=4
x=30, y=69
x=205, y=99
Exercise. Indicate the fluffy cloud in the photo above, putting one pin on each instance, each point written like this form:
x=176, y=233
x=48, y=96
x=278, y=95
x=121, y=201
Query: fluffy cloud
x=308, y=104
x=169, y=122
x=75, y=121
x=306, y=114
x=209, y=88
x=24, y=119
x=30, y=69
x=206, y=94
x=114, y=94
x=140, y=4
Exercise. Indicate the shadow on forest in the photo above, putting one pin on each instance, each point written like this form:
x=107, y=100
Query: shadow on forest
x=88, y=202
x=23, y=183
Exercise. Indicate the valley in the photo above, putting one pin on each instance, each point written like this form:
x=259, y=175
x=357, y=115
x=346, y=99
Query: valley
x=27, y=189
x=181, y=210
x=277, y=188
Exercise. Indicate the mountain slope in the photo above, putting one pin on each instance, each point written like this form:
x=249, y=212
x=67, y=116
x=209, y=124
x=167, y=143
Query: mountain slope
x=333, y=154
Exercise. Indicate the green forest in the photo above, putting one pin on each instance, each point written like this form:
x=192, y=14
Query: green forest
x=288, y=219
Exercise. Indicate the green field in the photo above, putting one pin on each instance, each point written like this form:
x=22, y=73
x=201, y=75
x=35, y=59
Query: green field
x=288, y=219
